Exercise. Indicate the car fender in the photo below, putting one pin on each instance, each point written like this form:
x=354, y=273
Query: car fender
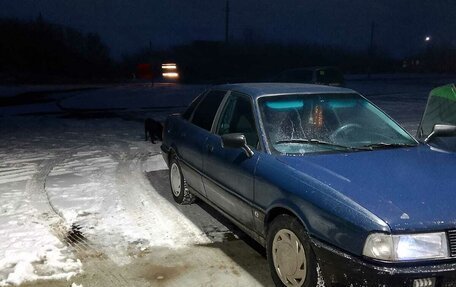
x=326, y=214
x=282, y=206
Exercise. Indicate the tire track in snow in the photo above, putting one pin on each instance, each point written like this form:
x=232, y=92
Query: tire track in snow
x=83, y=249
x=35, y=188
x=159, y=220
x=196, y=225
x=35, y=250
x=87, y=250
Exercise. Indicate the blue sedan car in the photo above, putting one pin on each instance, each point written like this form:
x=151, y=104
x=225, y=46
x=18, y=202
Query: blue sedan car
x=323, y=179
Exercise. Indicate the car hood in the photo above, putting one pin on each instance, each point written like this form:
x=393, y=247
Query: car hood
x=411, y=189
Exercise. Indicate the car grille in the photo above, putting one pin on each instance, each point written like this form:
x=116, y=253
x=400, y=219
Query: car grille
x=452, y=240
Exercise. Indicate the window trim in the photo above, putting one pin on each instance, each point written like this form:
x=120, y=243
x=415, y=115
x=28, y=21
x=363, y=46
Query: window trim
x=216, y=122
x=202, y=99
x=220, y=114
x=201, y=96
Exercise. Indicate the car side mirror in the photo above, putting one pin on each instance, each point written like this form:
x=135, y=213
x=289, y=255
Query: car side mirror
x=441, y=130
x=236, y=140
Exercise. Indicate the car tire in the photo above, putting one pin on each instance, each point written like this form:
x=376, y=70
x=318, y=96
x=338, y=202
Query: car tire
x=178, y=185
x=290, y=256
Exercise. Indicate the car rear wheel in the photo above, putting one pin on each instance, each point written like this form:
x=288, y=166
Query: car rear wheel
x=290, y=257
x=179, y=189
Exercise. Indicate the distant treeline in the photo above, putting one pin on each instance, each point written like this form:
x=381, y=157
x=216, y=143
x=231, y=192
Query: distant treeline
x=39, y=51
x=437, y=58
x=211, y=61
x=237, y=61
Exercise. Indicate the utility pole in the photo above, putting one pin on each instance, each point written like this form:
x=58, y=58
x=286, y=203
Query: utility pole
x=371, y=50
x=227, y=21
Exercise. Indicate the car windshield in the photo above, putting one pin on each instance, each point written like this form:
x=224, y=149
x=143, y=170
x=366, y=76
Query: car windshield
x=302, y=124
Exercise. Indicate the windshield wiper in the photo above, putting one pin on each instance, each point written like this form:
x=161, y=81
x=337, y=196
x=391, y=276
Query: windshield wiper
x=386, y=145
x=315, y=141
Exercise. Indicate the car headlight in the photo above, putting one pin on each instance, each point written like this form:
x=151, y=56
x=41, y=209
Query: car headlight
x=406, y=247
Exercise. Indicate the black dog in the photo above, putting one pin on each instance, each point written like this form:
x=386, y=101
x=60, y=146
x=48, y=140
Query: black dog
x=153, y=129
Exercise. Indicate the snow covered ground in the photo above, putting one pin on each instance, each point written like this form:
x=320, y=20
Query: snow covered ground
x=85, y=188
x=85, y=200
x=85, y=182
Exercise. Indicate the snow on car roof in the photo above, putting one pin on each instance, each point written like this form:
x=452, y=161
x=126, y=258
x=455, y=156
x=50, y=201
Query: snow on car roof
x=261, y=89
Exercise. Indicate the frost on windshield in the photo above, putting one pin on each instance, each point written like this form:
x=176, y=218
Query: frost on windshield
x=297, y=124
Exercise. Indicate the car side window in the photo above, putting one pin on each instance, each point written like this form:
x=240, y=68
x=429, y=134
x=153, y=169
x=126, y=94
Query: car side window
x=205, y=112
x=237, y=117
x=189, y=111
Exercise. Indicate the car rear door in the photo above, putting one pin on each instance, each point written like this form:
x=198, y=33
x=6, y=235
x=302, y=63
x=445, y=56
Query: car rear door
x=229, y=172
x=193, y=136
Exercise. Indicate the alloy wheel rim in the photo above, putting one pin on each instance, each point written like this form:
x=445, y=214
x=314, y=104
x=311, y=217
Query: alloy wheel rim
x=175, y=180
x=289, y=258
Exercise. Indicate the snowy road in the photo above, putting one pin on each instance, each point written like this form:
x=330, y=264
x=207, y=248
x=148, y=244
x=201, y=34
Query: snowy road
x=87, y=197
x=85, y=200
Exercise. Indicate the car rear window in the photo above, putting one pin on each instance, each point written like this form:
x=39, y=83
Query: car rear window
x=205, y=112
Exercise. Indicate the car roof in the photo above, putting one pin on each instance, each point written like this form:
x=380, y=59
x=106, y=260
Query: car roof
x=261, y=89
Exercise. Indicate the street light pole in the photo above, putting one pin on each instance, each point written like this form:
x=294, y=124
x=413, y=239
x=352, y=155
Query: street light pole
x=427, y=52
x=227, y=21
x=371, y=50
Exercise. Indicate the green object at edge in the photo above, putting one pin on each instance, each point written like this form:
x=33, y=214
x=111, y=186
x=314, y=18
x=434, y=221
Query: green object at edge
x=447, y=92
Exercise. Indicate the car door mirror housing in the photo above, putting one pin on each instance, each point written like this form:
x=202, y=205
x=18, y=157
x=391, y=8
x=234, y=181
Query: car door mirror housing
x=441, y=130
x=236, y=140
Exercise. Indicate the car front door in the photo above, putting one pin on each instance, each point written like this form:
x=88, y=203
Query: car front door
x=229, y=172
x=193, y=136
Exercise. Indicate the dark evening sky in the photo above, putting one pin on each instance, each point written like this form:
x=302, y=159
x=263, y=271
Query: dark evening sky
x=126, y=25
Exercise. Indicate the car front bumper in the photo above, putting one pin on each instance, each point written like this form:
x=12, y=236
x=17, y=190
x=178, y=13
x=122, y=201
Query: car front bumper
x=341, y=269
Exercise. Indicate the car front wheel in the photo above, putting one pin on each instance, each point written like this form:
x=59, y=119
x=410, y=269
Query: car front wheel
x=179, y=189
x=289, y=254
